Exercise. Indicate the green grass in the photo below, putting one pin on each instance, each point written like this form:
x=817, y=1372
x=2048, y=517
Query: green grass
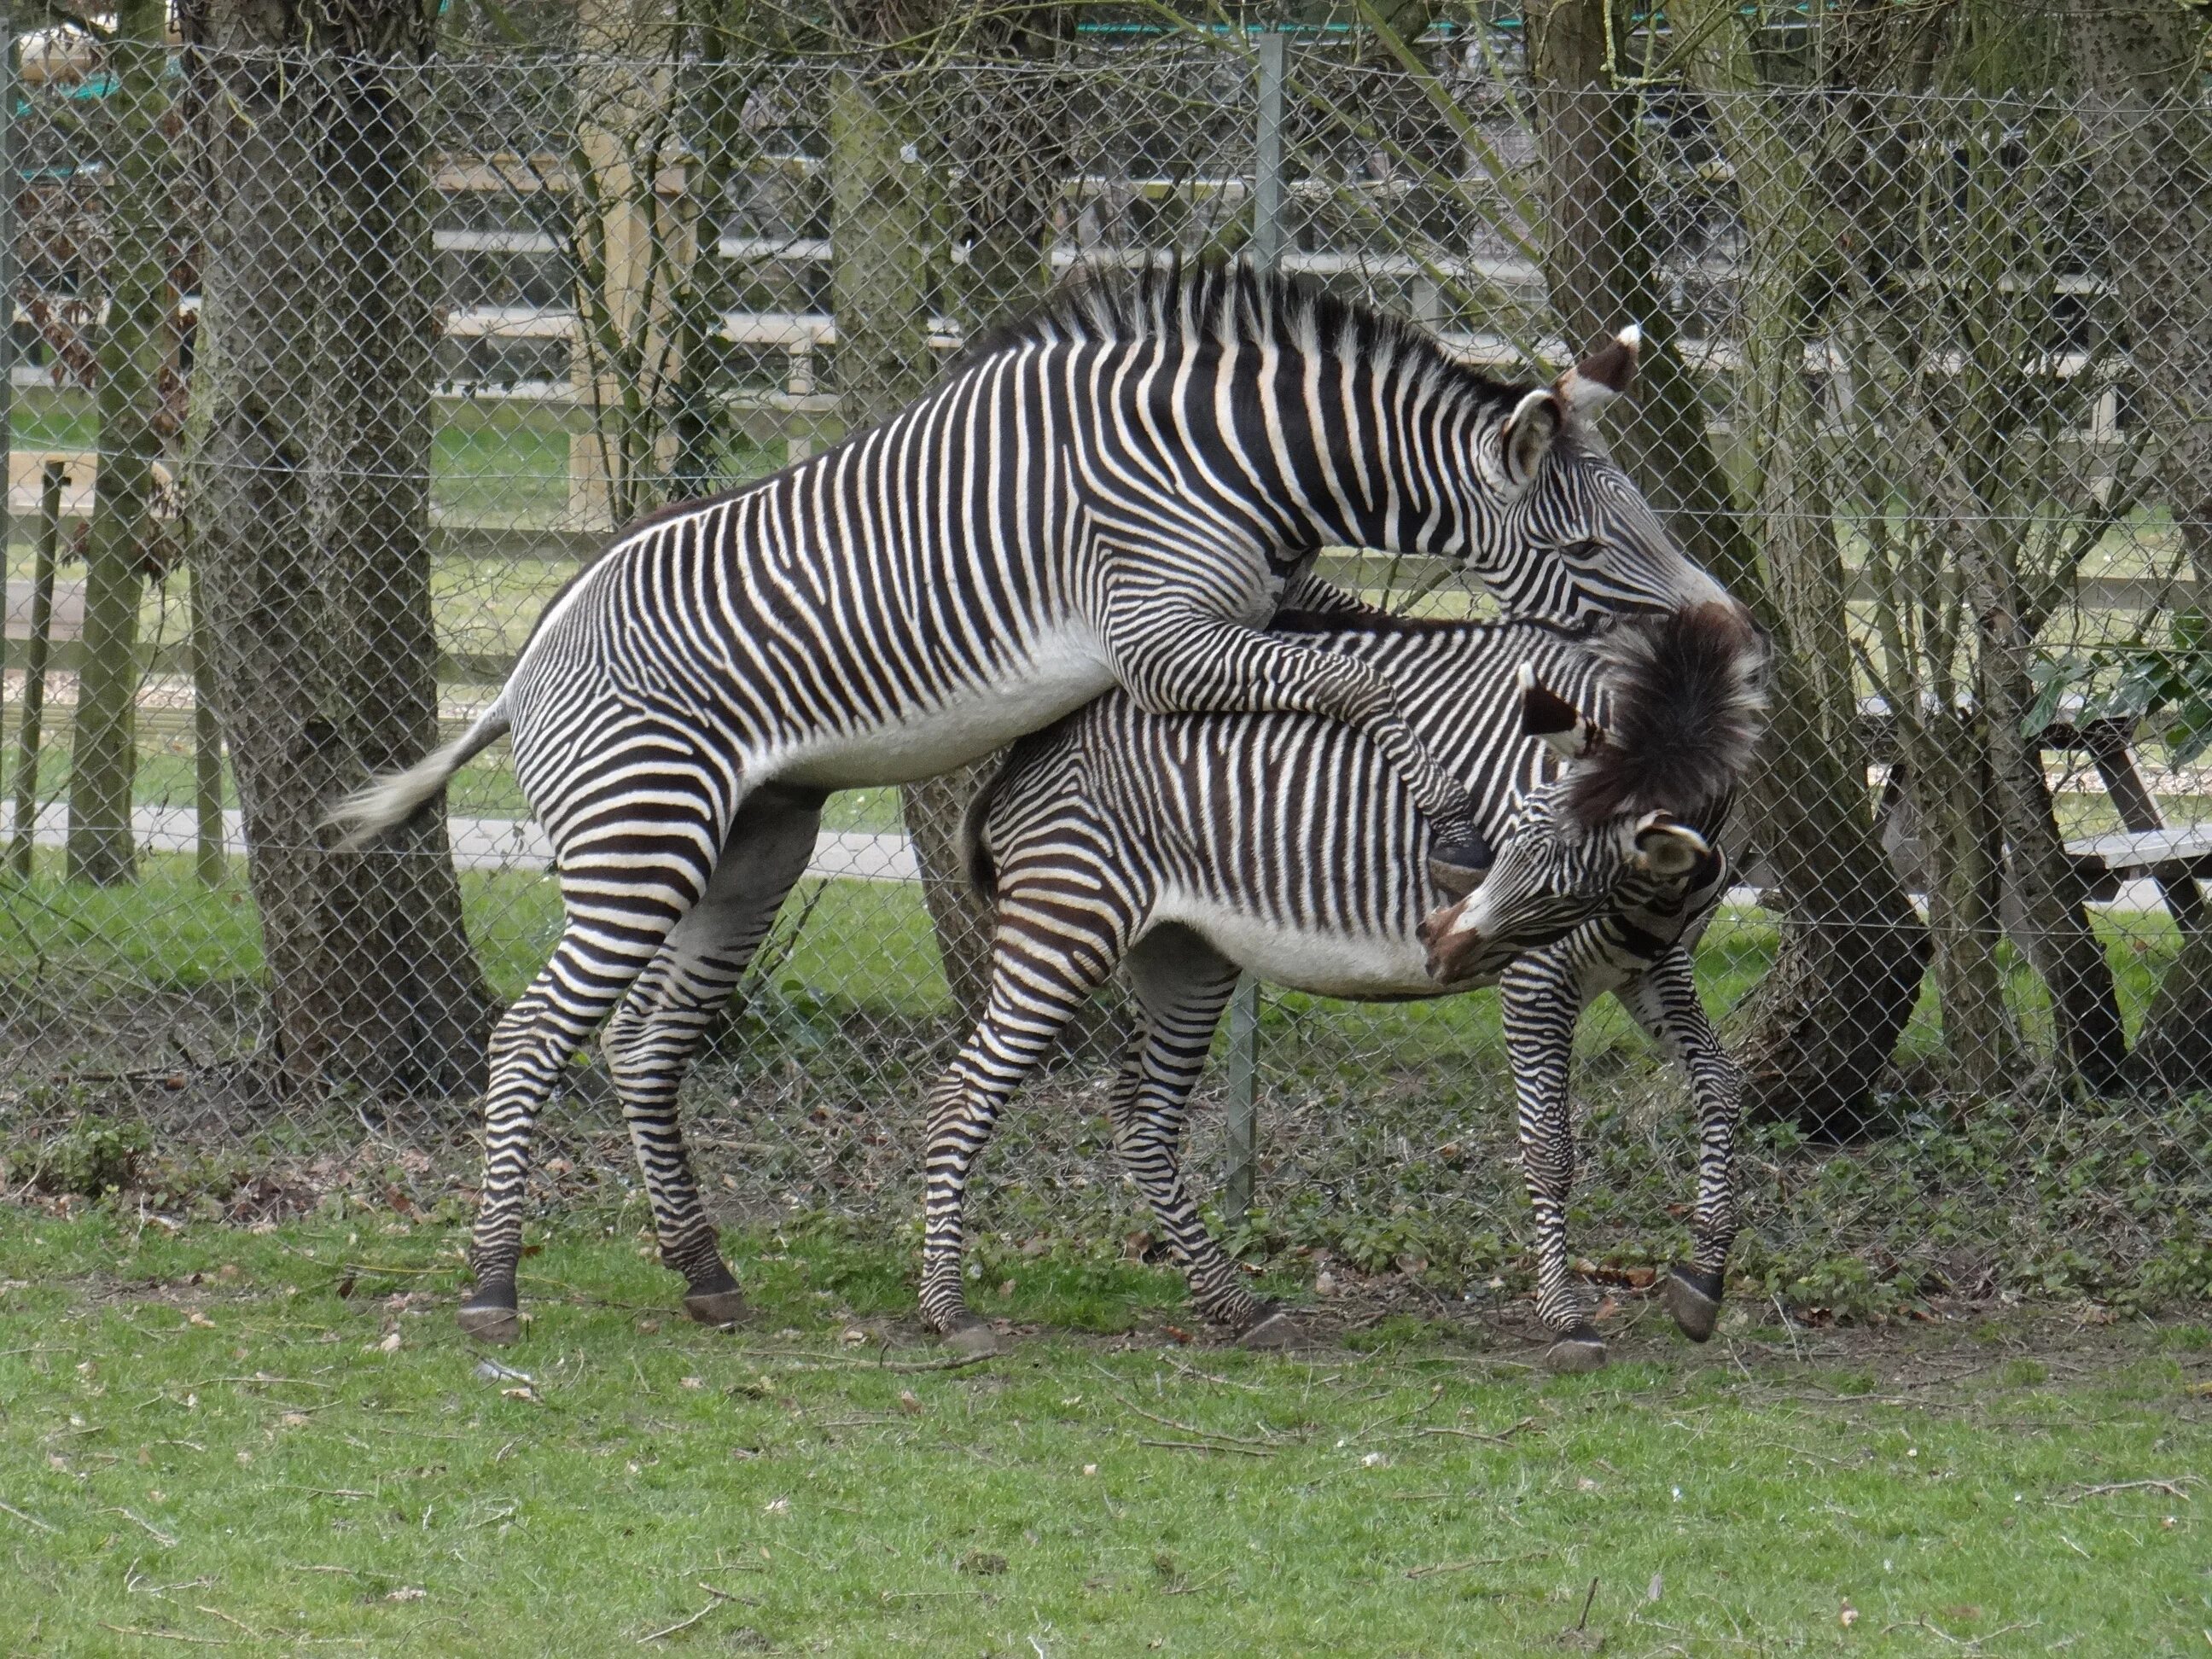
x=271, y=1440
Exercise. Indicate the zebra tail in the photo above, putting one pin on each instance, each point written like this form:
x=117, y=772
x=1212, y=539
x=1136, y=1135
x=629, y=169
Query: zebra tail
x=396, y=796
x=975, y=861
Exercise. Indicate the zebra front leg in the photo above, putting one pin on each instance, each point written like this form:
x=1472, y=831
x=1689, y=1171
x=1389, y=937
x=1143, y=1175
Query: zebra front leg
x=1182, y=984
x=1542, y=1003
x=650, y=1042
x=1664, y=1002
x=1174, y=656
x=1047, y=957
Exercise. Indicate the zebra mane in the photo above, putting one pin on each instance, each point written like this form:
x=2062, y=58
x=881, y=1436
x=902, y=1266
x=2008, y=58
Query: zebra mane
x=1687, y=696
x=1230, y=303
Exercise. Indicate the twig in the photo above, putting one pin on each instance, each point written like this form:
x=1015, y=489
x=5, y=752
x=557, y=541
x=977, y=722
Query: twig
x=160, y=1537
x=1187, y=1428
x=173, y=1636
x=325, y=1492
x=1501, y=1437
x=1479, y=1561
x=1208, y=1446
x=2173, y=1488
x=33, y=1519
x=720, y=1597
x=1582, y=1623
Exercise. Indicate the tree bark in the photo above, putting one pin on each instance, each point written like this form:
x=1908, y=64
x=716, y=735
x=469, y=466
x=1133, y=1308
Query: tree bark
x=2139, y=62
x=307, y=478
x=883, y=226
x=1825, y=1024
x=133, y=344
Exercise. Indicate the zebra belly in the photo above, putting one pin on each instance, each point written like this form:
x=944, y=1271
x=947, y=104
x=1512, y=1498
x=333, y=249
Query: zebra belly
x=1362, y=967
x=1064, y=670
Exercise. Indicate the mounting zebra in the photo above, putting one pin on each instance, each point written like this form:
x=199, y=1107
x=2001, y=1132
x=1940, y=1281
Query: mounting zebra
x=1121, y=490
x=1185, y=848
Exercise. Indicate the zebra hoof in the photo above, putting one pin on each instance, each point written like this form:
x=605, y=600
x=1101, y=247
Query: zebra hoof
x=1581, y=1349
x=490, y=1315
x=1275, y=1331
x=973, y=1337
x=1694, y=1300
x=721, y=1309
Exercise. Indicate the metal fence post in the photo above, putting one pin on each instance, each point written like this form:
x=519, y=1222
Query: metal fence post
x=1266, y=249
x=9, y=184
x=1265, y=252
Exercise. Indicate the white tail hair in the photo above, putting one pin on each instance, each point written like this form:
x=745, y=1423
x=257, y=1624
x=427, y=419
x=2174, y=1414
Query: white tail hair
x=396, y=796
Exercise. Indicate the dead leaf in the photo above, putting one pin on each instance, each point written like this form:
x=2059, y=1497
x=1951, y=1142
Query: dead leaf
x=407, y=1593
x=1847, y=1617
x=908, y=1404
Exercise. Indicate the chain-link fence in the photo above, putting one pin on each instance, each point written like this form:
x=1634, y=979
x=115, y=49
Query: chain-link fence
x=328, y=372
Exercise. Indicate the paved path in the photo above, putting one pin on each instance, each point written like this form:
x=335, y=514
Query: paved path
x=481, y=843
x=517, y=844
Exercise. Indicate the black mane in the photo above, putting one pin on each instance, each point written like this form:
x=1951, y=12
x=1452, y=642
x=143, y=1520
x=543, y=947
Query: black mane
x=1686, y=701
x=1223, y=300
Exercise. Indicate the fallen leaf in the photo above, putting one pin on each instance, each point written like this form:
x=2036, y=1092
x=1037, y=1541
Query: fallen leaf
x=908, y=1404
x=776, y=1506
x=1090, y=1468
x=390, y=1345
x=1847, y=1617
x=1374, y=1460
x=293, y=1419
x=196, y=1317
x=694, y=1382
x=1652, y=1590
x=407, y=1593
x=526, y=1393
x=853, y=1336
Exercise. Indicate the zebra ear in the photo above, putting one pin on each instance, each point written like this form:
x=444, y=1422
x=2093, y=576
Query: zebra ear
x=1545, y=714
x=1529, y=434
x=1667, y=846
x=1604, y=374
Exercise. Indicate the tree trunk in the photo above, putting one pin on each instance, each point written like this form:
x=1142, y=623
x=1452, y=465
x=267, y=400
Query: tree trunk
x=882, y=227
x=133, y=342
x=308, y=473
x=2139, y=63
x=1826, y=1021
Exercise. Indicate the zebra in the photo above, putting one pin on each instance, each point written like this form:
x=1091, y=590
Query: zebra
x=1120, y=490
x=1183, y=849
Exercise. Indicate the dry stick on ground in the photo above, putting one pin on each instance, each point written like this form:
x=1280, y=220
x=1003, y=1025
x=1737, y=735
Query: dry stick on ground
x=1189, y=1428
x=1501, y=1437
x=1207, y=1446
x=30, y=1520
x=721, y=1596
x=173, y=1636
x=2174, y=1486
x=1477, y=1561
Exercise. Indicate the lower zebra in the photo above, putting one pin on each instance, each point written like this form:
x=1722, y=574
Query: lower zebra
x=1183, y=849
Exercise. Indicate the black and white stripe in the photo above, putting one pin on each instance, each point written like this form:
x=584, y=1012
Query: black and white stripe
x=1189, y=848
x=1118, y=492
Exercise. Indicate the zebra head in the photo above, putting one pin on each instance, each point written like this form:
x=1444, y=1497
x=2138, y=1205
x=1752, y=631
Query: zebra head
x=1552, y=875
x=1616, y=828
x=1551, y=523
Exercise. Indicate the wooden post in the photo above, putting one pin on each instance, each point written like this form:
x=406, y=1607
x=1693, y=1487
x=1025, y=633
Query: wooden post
x=28, y=734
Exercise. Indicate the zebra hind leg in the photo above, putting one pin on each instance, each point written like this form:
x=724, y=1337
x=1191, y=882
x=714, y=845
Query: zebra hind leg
x=1182, y=984
x=1542, y=1004
x=587, y=975
x=625, y=882
x=651, y=1040
x=1049, y=953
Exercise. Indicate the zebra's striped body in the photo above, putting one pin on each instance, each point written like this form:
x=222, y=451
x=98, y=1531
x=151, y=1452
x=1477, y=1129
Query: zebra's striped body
x=1120, y=493
x=1188, y=848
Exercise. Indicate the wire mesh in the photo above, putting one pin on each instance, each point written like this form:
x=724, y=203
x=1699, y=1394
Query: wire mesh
x=329, y=372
